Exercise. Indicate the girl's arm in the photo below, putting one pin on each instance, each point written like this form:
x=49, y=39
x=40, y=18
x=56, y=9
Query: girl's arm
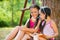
x=54, y=27
x=37, y=27
x=27, y=29
x=26, y=23
x=31, y=29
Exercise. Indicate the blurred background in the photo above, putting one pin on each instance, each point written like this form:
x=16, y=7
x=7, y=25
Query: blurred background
x=10, y=14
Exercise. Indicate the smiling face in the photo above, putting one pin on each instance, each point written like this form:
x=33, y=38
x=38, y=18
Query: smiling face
x=34, y=12
x=42, y=15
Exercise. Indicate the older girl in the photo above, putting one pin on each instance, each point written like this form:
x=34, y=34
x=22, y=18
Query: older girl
x=22, y=32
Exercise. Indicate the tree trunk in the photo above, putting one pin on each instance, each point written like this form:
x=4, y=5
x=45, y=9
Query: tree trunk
x=55, y=7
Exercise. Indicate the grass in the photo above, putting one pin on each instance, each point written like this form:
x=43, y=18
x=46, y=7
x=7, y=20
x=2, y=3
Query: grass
x=4, y=32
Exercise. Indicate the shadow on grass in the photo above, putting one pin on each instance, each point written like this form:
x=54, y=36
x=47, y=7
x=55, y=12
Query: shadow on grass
x=4, y=32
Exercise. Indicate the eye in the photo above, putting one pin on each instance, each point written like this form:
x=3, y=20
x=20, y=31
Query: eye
x=36, y=11
x=31, y=12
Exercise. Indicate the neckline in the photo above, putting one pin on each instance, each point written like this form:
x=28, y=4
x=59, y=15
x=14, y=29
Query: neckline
x=48, y=22
x=32, y=21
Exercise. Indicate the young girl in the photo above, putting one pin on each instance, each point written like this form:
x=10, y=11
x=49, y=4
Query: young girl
x=47, y=26
x=19, y=32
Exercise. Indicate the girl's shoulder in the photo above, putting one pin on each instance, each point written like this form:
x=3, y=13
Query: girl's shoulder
x=27, y=21
x=53, y=22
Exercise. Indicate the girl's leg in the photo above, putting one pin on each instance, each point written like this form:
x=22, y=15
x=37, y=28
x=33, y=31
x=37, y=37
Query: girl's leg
x=13, y=33
x=19, y=35
x=26, y=37
x=35, y=37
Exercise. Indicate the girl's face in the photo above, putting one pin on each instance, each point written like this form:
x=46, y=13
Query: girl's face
x=42, y=15
x=34, y=12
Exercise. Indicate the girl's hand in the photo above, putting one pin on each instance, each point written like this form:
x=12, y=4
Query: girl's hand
x=42, y=35
x=22, y=28
x=49, y=37
x=30, y=34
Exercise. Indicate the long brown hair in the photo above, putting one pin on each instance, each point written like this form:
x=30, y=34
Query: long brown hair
x=47, y=11
x=33, y=6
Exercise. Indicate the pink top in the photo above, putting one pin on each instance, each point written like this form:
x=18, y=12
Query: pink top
x=32, y=24
x=48, y=30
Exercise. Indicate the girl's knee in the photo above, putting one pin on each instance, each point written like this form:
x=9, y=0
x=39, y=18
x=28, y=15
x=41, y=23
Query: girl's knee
x=8, y=38
x=17, y=26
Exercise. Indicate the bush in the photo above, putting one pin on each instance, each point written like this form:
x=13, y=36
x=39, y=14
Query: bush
x=9, y=7
x=3, y=23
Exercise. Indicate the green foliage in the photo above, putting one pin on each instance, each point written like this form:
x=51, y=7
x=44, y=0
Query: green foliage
x=26, y=17
x=1, y=0
x=10, y=12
